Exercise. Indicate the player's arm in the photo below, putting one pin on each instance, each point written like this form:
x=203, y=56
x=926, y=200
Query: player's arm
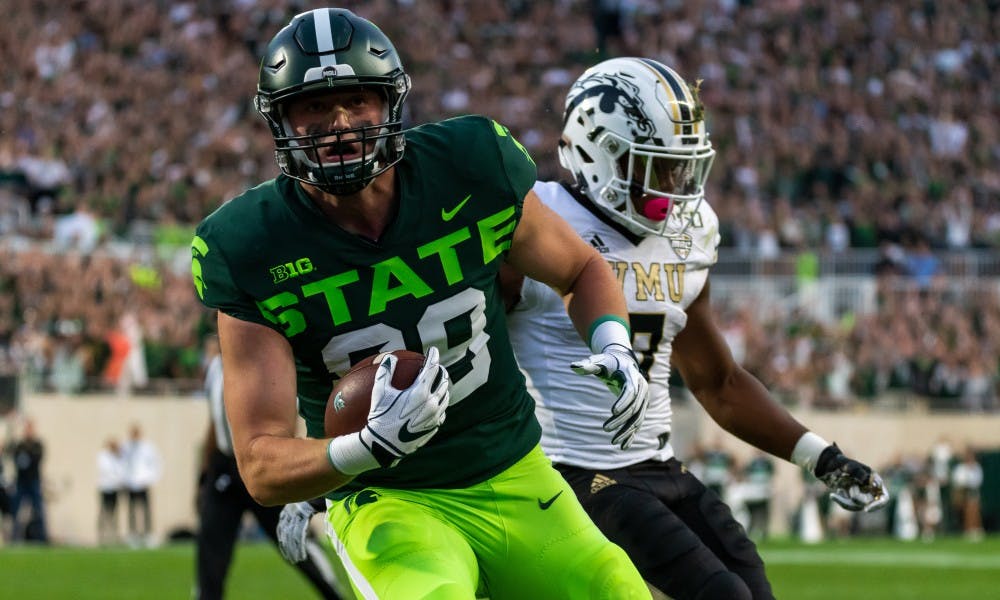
x=547, y=249
x=259, y=384
x=733, y=397
x=741, y=405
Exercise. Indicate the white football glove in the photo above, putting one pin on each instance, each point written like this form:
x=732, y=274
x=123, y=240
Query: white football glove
x=853, y=485
x=399, y=421
x=293, y=523
x=618, y=368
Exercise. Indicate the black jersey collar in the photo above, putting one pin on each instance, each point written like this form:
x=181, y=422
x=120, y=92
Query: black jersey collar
x=595, y=210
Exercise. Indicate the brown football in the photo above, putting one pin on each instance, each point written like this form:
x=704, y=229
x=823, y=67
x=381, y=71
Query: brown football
x=349, y=402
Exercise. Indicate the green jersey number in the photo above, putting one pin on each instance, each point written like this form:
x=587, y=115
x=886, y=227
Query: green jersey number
x=456, y=325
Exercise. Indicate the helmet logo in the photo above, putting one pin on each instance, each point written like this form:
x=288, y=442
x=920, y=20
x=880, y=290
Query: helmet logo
x=614, y=92
x=328, y=72
x=276, y=66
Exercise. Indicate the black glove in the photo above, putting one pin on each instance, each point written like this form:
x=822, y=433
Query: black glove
x=852, y=485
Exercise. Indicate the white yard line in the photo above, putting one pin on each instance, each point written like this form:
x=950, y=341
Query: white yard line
x=878, y=559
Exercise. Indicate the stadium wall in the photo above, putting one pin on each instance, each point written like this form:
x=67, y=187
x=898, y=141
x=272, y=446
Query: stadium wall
x=74, y=429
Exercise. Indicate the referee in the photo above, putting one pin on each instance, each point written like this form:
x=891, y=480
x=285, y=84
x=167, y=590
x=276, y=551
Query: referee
x=222, y=501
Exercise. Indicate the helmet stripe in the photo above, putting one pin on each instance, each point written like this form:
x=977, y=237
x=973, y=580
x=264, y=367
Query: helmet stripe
x=682, y=97
x=324, y=37
x=671, y=91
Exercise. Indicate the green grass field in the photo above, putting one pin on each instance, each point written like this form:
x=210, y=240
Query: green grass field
x=884, y=568
x=864, y=568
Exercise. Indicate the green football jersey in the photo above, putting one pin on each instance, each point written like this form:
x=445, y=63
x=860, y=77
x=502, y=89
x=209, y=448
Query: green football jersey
x=271, y=257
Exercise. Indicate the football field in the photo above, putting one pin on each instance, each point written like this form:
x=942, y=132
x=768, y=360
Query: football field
x=861, y=568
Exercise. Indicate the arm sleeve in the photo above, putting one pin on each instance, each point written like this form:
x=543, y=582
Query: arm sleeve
x=214, y=281
x=519, y=167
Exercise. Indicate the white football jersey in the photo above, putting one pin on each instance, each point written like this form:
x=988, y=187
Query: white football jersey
x=661, y=277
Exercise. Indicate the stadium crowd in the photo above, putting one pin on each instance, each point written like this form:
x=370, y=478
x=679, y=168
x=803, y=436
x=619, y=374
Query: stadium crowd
x=839, y=126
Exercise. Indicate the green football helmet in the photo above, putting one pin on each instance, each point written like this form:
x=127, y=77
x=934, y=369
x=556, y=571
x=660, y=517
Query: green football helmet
x=319, y=50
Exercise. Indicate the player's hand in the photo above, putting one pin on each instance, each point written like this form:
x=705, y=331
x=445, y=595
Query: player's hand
x=399, y=421
x=618, y=368
x=292, y=527
x=853, y=485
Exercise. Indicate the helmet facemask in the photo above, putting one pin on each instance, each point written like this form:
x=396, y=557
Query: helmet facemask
x=668, y=185
x=300, y=156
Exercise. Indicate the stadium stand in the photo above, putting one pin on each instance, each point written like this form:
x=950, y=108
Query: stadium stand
x=855, y=178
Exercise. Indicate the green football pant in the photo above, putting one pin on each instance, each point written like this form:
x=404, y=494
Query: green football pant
x=522, y=532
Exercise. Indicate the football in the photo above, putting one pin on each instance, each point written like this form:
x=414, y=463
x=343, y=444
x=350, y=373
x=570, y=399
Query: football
x=350, y=400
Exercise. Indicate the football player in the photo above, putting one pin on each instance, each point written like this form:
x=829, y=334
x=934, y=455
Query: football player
x=223, y=500
x=374, y=239
x=636, y=142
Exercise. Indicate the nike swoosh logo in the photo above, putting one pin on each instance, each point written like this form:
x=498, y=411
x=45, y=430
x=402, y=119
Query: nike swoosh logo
x=545, y=505
x=406, y=436
x=447, y=215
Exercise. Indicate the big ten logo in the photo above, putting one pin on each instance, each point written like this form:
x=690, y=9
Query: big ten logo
x=291, y=269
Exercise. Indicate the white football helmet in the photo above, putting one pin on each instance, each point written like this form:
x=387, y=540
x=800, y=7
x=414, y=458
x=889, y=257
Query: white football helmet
x=634, y=137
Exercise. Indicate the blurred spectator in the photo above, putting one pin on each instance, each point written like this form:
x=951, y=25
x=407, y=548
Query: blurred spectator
x=939, y=464
x=927, y=505
x=906, y=516
x=610, y=27
x=134, y=374
x=900, y=476
x=68, y=358
x=143, y=469
x=966, y=481
x=921, y=264
x=119, y=347
x=891, y=260
x=756, y=483
x=5, y=516
x=126, y=367
x=28, y=453
x=110, y=485
x=958, y=214
x=78, y=230
x=813, y=511
x=46, y=175
x=717, y=468
x=979, y=383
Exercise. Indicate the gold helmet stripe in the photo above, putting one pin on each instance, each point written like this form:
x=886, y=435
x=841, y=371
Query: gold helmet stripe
x=684, y=123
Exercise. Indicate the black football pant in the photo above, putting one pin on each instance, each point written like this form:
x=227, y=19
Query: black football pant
x=222, y=501
x=682, y=538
